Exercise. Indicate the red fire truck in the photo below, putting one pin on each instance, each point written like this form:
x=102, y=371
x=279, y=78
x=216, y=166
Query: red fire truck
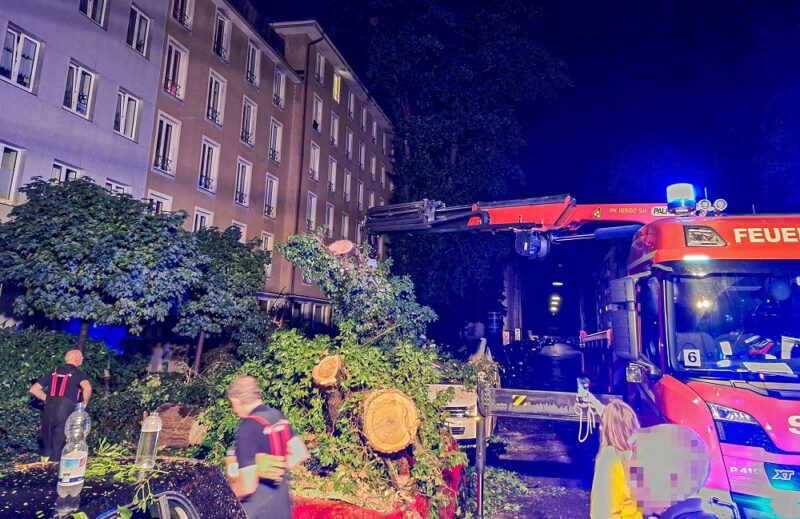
x=705, y=326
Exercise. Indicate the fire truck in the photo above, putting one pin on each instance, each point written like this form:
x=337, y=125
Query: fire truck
x=705, y=325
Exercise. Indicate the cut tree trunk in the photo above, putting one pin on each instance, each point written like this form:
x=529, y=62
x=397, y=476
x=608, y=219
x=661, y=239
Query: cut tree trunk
x=389, y=420
x=180, y=426
x=199, y=351
x=83, y=336
x=328, y=374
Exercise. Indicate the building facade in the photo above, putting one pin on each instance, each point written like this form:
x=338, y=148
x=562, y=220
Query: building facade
x=78, y=84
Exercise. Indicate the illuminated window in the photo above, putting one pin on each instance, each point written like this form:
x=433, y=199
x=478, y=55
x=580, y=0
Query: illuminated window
x=337, y=87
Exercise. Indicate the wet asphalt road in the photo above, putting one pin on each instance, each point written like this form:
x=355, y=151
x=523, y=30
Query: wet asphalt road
x=545, y=454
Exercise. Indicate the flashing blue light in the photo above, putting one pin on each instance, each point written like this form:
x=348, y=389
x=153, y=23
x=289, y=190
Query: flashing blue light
x=681, y=198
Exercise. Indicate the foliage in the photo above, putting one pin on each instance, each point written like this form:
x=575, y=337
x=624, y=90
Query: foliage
x=77, y=251
x=106, y=463
x=382, y=307
x=499, y=486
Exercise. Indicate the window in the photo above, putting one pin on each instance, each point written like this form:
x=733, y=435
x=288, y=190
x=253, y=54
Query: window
x=316, y=121
x=319, y=69
x=361, y=155
x=372, y=170
x=216, y=98
x=329, y=216
x=351, y=104
x=359, y=232
x=202, y=218
x=345, y=226
x=127, y=117
x=363, y=120
x=209, y=165
x=138, y=30
x=371, y=199
x=313, y=168
x=242, y=230
x=360, y=195
x=334, y=130
x=253, y=64
x=331, y=175
x=348, y=144
x=222, y=34
x=9, y=162
x=78, y=91
x=19, y=59
x=94, y=9
x=159, y=203
x=346, y=187
x=242, y=189
x=175, y=69
x=337, y=87
x=267, y=245
x=167, y=134
x=271, y=197
x=249, y=111
x=374, y=132
x=391, y=186
x=117, y=188
x=278, y=89
x=182, y=12
x=275, y=139
x=64, y=173
x=383, y=142
x=311, y=211
x=380, y=201
x=383, y=175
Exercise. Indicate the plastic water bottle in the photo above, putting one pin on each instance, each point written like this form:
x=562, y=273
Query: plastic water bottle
x=75, y=454
x=148, y=442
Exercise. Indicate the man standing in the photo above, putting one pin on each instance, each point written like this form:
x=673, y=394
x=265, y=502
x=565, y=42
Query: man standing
x=60, y=391
x=266, y=449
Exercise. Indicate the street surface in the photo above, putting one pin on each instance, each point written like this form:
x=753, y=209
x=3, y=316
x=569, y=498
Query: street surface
x=546, y=454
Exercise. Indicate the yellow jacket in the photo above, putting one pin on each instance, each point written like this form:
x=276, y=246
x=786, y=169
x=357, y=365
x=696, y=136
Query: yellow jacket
x=611, y=496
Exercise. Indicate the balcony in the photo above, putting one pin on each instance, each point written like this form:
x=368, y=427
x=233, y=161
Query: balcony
x=312, y=173
x=206, y=183
x=269, y=210
x=220, y=51
x=275, y=155
x=181, y=16
x=251, y=77
x=277, y=101
x=163, y=163
x=247, y=137
x=240, y=197
x=331, y=187
x=213, y=115
x=172, y=87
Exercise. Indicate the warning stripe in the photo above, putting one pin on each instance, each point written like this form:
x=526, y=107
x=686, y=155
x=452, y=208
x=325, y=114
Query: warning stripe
x=518, y=399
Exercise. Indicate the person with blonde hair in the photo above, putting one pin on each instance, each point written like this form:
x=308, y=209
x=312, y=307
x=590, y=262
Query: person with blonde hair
x=611, y=494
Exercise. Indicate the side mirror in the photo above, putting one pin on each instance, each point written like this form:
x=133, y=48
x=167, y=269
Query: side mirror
x=624, y=321
x=633, y=374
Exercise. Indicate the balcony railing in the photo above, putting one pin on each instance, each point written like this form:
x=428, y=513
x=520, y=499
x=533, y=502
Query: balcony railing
x=346, y=196
x=318, y=77
x=220, y=51
x=247, y=137
x=181, y=16
x=206, y=182
x=172, y=88
x=251, y=77
x=269, y=210
x=277, y=101
x=331, y=187
x=309, y=224
x=363, y=129
x=213, y=115
x=334, y=142
x=274, y=155
x=240, y=197
x=163, y=163
x=348, y=155
x=312, y=173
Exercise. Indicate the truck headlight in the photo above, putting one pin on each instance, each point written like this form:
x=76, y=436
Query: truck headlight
x=472, y=410
x=728, y=414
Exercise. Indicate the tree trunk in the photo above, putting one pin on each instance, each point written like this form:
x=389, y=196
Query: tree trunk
x=328, y=374
x=199, y=351
x=83, y=336
x=389, y=420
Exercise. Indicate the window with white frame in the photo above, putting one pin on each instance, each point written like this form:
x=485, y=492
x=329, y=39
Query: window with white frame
x=242, y=230
x=209, y=166
x=374, y=132
x=267, y=245
x=175, y=63
x=346, y=187
x=278, y=88
x=363, y=120
x=159, y=202
x=348, y=144
x=329, y=216
x=275, y=140
x=383, y=142
x=216, y=98
x=372, y=167
x=319, y=69
x=63, y=173
x=345, y=226
x=360, y=195
x=94, y=9
x=167, y=136
x=331, y=175
x=337, y=87
x=271, y=197
x=78, y=91
x=253, y=67
x=19, y=59
x=249, y=113
x=334, y=130
x=222, y=36
x=311, y=211
x=202, y=218
x=117, y=188
x=313, y=168
x=371, y=199
x=138, y=30
x=362, y=152
x=182, y=11
x=126, y=119
x=244, y=171
x=316, y=115
x=383, y=175
x=351, y=104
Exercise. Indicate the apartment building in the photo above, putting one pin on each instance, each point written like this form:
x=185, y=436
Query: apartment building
x=78, y=92
x=223, y=128
x=344, y=150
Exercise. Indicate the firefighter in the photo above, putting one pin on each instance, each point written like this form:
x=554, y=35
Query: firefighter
x=60, y=391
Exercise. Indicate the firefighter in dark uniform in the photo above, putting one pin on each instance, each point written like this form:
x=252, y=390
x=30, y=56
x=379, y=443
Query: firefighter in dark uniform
x=60, y=391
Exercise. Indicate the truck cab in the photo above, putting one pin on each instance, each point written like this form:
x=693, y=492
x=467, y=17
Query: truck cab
x=706, y=327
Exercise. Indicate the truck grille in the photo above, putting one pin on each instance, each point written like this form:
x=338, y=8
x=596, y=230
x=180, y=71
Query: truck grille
x=456, y=412
x=457, y=431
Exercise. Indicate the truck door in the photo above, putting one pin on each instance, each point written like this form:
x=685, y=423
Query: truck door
x=651, y=325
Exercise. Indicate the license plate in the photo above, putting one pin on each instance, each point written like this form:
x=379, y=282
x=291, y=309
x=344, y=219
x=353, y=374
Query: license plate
x=783, y=477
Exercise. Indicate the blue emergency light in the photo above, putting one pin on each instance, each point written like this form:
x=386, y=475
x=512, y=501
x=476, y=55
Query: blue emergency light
x=681, y=198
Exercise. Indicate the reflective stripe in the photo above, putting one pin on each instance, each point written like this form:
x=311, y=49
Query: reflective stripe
x=53, y=383
x=63, y=385
x=277, y=434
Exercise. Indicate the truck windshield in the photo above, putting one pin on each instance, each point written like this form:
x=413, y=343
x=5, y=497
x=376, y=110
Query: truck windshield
x=743, y=323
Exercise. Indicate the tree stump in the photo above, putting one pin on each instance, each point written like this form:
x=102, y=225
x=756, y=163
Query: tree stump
x=390, y=421
x=328, y=374
x=180, y=426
